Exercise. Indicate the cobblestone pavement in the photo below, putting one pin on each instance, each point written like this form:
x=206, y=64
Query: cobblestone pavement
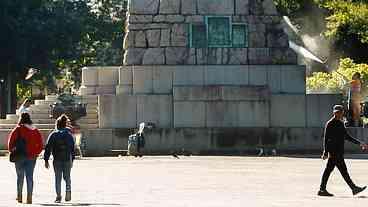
x=192, y=181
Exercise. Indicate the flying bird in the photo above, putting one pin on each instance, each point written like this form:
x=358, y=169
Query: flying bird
x=31, y=72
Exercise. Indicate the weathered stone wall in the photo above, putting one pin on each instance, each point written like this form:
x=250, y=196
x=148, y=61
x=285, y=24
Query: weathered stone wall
x=157, y=33
x=216, y=140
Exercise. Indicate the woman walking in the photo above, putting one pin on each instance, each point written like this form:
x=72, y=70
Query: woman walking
x=60, y=144
x=25, y=165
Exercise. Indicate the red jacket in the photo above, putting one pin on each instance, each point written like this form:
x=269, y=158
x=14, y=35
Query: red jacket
x=32, y=135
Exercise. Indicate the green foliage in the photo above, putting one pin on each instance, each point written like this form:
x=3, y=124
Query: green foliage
x=337, y=81
x=347, y=18
x=23, y=92
x=289, y=7
x=58, y=35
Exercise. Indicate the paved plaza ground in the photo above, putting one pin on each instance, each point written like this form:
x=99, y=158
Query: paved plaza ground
x=193, y=182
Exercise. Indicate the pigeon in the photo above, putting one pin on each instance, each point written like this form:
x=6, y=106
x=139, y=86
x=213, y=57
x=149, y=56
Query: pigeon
x=31, y=72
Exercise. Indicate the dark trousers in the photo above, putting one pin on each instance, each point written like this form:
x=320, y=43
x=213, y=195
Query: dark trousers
x=338, y=161
x=62, y=170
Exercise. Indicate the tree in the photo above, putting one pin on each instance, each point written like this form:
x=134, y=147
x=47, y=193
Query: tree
x=338, y=81
x=54, y=35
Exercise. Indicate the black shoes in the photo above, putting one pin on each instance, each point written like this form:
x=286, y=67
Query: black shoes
x=68, y=196
x=357, y=189
x=58, y=199
x=324, y=193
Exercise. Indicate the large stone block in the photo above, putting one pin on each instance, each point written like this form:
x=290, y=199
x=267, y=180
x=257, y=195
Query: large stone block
x=143, y=6
x=169, y=6
x=194, y=19
x=257, y=75
x=274, y=78
x=117, y=111
x=156, y=109
x=288, y=111
x=221, y=93
x=259, y=56
x=269, y=7
x=126, y=75
x=256, y=7
x=140, y=27
x=175, y=18
x=214, y=56
x=277, y=38
x=87, y=90
x=154, y=56
x=179, y=35
x=142, y=80
x=293, y=79
x=257, y=39
x=216, y=7
x=134, y=56
x=188, y=7
x=201, y=56
x=241, y=7
x=238, y=56
x=125, y=81
x=198, y=93
x=222, y=114
x=159, y=19
x=253, y=114
x=140, y=39
x=90, y=76
x=257, y=28
x=124, y=89
x=140, y=18
x=226, y=75
x=283, y=56
x=165, y=38
x=313, y=112
x=98, y=141
x=245, y=93
x=236, y=75
x=188, y=75
x=108, y=76
x=162, y=80
x=111, y=89
x=180, y=56
x=189, y=114
x=153, y=38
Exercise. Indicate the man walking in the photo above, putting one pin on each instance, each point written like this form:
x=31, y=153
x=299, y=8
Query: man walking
x=334, y=137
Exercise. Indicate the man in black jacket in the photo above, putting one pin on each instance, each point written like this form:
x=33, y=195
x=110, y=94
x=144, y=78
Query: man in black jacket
x=334, y=138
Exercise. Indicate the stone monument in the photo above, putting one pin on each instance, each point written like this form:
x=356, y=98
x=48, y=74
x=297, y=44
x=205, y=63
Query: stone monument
x=213, y=75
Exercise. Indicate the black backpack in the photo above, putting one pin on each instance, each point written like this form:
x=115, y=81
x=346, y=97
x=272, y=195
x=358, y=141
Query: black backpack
x=61, y=148
x=20, y=150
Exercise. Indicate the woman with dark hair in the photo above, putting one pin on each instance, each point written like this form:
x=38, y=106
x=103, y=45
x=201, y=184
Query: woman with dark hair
x=60, y=144
x=33, y=147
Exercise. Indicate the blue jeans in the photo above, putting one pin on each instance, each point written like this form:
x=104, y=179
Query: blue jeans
x=62, y=170
x=25, y=167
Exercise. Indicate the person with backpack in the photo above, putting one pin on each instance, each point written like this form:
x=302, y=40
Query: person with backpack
x=26, y=141
x=60, y=144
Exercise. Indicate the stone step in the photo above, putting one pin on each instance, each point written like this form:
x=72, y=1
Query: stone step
x=47, y=107
x=48, y=126
x=87, y=99
x=47, y=111
x=49, y=121
x=92, y=114
x=46, y=102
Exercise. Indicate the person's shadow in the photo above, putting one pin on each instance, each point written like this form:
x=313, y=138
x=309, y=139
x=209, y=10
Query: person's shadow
x=78, y=204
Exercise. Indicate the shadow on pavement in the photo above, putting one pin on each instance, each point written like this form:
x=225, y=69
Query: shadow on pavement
x=78, y=204
x=346, y=156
